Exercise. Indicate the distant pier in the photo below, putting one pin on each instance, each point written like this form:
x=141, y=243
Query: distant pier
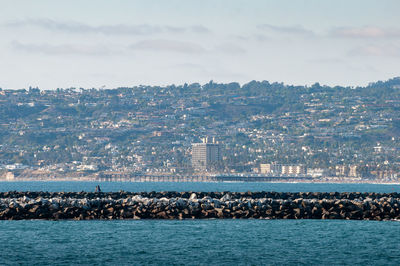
x=117, y=176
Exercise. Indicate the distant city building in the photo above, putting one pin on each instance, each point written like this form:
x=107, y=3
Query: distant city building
x=10, y=176
x=341, y=170
x=385, y=175
x=282, y=169
x=353, y=170
x=293, y=169
x=16, y=166
x=317, y=172
x=265, y=168
x=87, y=167
x=206, y=156
x=346, y=170
x=271, y=168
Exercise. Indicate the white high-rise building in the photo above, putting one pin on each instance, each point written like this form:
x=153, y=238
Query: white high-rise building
x=206, y=155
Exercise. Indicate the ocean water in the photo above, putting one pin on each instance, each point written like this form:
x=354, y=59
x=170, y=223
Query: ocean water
x=195, y=186
x=199, y=242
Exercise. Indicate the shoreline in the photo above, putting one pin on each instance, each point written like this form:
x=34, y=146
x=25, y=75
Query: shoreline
x=372, y=182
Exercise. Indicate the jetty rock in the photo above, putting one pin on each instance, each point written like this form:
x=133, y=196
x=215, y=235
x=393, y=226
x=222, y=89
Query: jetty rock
x=198, y=205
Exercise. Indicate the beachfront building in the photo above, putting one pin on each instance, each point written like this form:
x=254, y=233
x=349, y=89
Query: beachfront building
x=282, y=169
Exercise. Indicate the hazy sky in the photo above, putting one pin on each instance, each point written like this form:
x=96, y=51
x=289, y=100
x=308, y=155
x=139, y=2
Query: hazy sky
x=76, y=43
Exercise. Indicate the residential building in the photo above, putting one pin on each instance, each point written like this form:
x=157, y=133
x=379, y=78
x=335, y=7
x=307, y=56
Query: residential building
x=282, y=169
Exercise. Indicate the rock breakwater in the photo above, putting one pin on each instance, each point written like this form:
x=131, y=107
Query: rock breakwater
x=198, y=205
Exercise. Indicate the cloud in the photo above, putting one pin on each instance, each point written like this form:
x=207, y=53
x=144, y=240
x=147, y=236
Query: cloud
x=63, y=49
x=153, y=45
x=365, y=32
x=168, y=46
x=190, y=66
x=250, y=37
x=376, y=50
x=332, y=60
x=200, y=29
x=262, y=38
x=116, y=29
x=296, y=30
x=175, y=29
x=184, y=47
x=229, y=48
x=76, y=27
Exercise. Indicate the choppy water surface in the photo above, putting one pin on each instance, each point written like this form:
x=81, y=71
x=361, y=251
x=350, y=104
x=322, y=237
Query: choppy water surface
x=200, y=242
x=195, y=186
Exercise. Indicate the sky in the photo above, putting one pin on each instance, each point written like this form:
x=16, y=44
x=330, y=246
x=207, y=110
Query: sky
x=106, y=44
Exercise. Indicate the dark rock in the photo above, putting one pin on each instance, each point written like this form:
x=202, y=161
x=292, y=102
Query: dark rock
x=189, y=205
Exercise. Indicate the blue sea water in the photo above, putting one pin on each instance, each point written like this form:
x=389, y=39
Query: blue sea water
x=195, y=186
x=199, y=242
